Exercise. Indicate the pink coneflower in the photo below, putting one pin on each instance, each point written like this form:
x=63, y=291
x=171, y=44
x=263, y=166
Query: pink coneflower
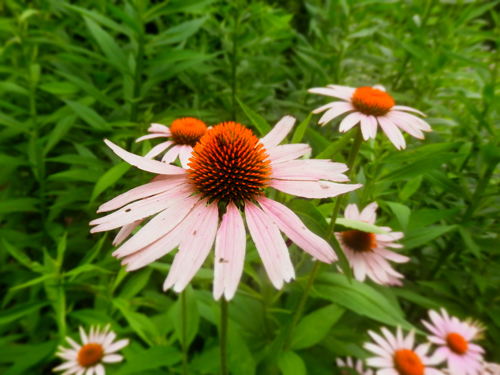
x=227, y=173
x=454, y=339
x=184, y=133
x=87, y=359
x=369, y=106
x=358, y=366
x=367, y=252
x=396, y=356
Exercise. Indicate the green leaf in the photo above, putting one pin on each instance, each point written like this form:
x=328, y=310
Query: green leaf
x=108, y=45
x=135, y=283
x=21, y=257
x=59, y=88
x=358, y=297
x=109, y=178
x=192, y=316
x=178, y=33
x=335, y=147
x=359, y=225
x=290, y=363
x=88, y=115
x=18, y=205
x=262, y=126
x=313, y=327
x=10, y=315
x=31, y=357
x=429, y=216
x=301, y=130
x=402, y=213
x=152, y=358
x=58, y=133
x=32, y=282
x=418, y=237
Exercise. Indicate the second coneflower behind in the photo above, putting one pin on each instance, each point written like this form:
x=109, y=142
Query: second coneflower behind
x=183, y=134
x=367, y=252
x=370, y=107
x=226, y=176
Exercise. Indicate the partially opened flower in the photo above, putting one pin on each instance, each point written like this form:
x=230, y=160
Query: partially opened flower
x=369, y=106
x=183, y=134
x=396, y=355
x=97, y=348
x=367, y=252
x=358, y=366
x=454, y=339
x=227, y=175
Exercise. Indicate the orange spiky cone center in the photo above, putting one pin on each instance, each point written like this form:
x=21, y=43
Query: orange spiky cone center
x=187, y=131
x=90, y=354
x=407, y=362
x=372, y=102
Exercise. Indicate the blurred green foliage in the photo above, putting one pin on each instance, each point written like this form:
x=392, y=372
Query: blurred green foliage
x=73, y=73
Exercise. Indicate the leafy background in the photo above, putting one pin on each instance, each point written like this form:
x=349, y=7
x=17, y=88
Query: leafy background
x=73, y=73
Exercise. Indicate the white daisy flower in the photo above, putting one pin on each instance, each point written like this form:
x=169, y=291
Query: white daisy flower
x=369, y=106
x=358, y=366
x=87, y=359
x=396, y=356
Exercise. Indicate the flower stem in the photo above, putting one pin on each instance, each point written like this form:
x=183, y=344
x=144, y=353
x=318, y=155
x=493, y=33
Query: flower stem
x=353, y=153
x=184, y=335
x=223, y=335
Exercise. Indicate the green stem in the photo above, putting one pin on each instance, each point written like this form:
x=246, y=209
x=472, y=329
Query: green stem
x=353, y=153
x=184, y=334
x=233, y=64
x=223, y=335
x=137, y=80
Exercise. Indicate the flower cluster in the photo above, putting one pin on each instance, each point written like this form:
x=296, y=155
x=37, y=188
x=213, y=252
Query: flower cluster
x=398, y=355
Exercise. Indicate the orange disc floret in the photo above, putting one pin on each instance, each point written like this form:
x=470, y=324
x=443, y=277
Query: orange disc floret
x=187, y=131
x=457, y=343
x=229, y=164
x=358, y=240
x=90, y=354
x=372, y=101
x=407, y=362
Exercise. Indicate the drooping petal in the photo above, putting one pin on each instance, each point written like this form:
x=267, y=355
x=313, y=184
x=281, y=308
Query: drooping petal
x=152, y=166
x=280, y=154
x=158, y=149
x=159, y=128
x=407, y=109
x=405, y=125
x=290, y=224
x=151, y=136
x=116, y=346
x=230, y=246
x=270, y=245
x=171, y=154
x=350, y=121
x=339, y=109
x=392, y=132
x=144, y=191
x=310, y=170
x=313, y=189
x=125, y=232
x=193, y=249
x=369, y=213
x=330, y=92
x=184, y=155
x=278, y=133
x=366, y=127
x=158, y=226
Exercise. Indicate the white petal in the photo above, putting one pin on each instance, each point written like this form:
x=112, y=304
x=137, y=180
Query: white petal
x=279, y=132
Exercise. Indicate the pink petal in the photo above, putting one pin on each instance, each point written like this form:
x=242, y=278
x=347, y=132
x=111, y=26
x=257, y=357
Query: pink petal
x=407, y=109
x=229, y=253
x=280, y=154
x=330, y=92
x=395, y=257
x=152, y=166
x=147, y=190
x=412, y=120
x=324, y=107
x=369, y=213
x=171, y=154
x=313, y=189
x=159, y=128
x=151, y=136
x=116, y=346
x=141, y=209
x=158, y=226
x=193, y=249
x=339, y=109
x=278, y=133
x=350, y=121
x=158, y=149
x=125, y=232
x=294, y=229
x=392, y=132
x=405, y=125
x=310, y=169
x=366, y=127
x=184, y=155
x=373, y=126
x=165, y=244
x=112, y=358
x=270, y=245
x=351, y=212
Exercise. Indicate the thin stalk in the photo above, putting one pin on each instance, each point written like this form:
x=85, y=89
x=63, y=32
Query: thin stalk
x=223, y=335
x=184, y=334
x=234, y=63
x=353, y=153
x=137, y=80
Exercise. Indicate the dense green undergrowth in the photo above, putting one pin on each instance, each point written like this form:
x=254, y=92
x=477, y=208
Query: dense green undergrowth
x=74, y=73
